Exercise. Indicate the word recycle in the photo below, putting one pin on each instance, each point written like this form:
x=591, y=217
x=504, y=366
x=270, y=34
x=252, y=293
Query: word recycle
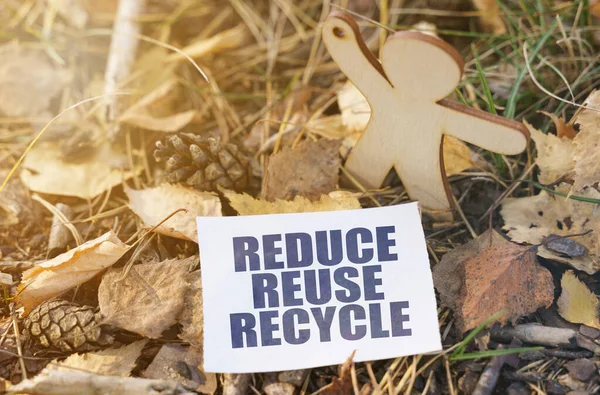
x=329, y=278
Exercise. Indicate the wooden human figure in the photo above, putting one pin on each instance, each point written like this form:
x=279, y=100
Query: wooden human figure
x=409, y=115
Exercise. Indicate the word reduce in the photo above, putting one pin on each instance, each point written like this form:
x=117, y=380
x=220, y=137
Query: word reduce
x=307, y=280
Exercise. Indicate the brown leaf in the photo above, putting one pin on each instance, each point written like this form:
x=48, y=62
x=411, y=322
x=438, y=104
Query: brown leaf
x=531, y=219
x=150, y=297
x=341, y=385
x=245, y=204
x=494, y=274
x=110, y=362
x=183, y=365
x=153, y=205
x=309, y=170
x=563, y=129
x=577, y=303
x=66, y=271
x=29, y=80
x=192, y=315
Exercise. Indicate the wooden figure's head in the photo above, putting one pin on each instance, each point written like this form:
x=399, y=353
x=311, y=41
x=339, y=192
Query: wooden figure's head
x=408, y=55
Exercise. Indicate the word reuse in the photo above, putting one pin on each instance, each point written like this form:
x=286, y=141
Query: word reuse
x=292, y=291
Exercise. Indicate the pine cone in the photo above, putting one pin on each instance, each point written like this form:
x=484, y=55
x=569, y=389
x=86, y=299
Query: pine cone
x=66, y=326
x=203, y=162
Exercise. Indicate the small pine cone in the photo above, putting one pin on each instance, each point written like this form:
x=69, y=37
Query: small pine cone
x=203, y=162
x=65, y=326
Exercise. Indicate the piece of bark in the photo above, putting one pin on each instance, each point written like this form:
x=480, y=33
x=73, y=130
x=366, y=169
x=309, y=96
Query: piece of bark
x=582, y=369
x=60, y=235
x=310, y=170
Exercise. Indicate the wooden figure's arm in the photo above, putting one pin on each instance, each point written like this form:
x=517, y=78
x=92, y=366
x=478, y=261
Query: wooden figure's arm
x=342, y=38
x=491, y=132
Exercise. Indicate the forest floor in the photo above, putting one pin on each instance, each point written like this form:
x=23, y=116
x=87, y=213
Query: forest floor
x=109, y=126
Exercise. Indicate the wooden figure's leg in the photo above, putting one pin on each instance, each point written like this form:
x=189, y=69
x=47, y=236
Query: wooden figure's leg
x=421, y=175
x=367, y=162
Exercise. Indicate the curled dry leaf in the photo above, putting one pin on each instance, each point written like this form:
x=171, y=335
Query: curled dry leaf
x=228, y=39
x=139, y=114
x=309, y=170
x=153, y=205
x=45, y=171
x=577, y=303
x=110, y=362
x=245, y=204
x=183, y=365
x=355, y=117
x=531, y=219
x=342, y=384
x=490, y=274
x=149, y=299
x=56, y=276
x=554, y=155
x=563, y=129
x=29, y=80
x=587, y=155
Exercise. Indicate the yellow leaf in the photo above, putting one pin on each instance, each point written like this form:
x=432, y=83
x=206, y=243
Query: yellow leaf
x=577, y=303
x=58, y=275
x=554, y=155
x=245, y=204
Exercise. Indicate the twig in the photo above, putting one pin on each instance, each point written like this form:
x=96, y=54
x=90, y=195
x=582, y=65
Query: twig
x=123, y=46
x=18, y=341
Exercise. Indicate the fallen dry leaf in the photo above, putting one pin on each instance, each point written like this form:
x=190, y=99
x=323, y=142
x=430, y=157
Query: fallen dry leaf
x=45, y=171
x=309, y=170
x=139, y=115
x=153, y=205
x=29, y=80
x=531, y=219
x=587, y=155
x=66, y=271
x=149, y=299
x=563, y=129
x=183, y=365
x=60, y=382
x=577, y=303
x=490, y=274
x=554, y=155
x=245, y=204
x=109, y=362
x=342, y=384
x=192, y=315
x=355, y=117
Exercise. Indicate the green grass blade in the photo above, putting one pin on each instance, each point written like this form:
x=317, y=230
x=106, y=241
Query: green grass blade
x=493, y=353
x=469, y=338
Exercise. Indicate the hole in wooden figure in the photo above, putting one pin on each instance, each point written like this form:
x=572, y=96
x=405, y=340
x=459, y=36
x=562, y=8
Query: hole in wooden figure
x=338, y=32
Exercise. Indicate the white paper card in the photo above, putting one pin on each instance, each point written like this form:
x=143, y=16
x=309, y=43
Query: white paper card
x=293, y=291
